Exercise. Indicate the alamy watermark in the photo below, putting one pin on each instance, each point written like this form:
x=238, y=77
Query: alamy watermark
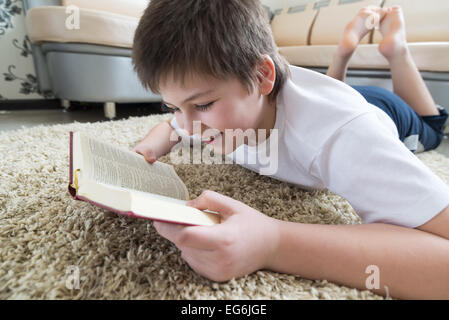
x=72, y=22
x=72, y=280
x=372, y=22
x=373, y=280
x=266, y=156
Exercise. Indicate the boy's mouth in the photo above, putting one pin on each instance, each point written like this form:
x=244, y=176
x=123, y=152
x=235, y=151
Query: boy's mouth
x=212, y=139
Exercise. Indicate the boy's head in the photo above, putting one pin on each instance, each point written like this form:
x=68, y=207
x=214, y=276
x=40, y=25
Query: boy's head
x=192, y=43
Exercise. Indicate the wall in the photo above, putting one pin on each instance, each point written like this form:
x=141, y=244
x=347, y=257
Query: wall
x=17, y=75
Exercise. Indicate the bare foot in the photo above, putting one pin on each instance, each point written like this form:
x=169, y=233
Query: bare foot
x=392, y=28
x=365, y=20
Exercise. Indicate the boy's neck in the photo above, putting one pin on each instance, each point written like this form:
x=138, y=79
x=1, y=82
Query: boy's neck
x=267, y=119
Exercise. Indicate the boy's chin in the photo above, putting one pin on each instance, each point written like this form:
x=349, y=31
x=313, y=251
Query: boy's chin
x=219, y=146
x=223, y=149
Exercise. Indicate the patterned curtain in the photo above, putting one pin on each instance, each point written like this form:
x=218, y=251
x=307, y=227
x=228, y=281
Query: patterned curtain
x=17, y=75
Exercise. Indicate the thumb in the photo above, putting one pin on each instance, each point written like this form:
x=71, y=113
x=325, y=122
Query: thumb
x=147, y=153
x=217, y=202
x=149, y=156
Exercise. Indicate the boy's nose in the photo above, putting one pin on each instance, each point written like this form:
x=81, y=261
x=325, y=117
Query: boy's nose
x=193, y=125
x=188, y=127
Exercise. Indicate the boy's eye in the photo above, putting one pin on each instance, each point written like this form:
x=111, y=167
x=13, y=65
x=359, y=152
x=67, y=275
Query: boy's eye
x=200, y=107
x=168, y=109
x=203, y=107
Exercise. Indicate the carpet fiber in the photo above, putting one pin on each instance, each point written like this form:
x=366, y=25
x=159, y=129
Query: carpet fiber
x=46, y=237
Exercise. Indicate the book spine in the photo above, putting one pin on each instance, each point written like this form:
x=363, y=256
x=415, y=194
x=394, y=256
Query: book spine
x=72, y=190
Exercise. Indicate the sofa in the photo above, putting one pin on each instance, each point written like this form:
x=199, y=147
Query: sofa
x=308, y=36
x=93, y=63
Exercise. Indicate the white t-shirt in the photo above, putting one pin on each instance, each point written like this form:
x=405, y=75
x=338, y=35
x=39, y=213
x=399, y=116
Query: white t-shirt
x=330, y=137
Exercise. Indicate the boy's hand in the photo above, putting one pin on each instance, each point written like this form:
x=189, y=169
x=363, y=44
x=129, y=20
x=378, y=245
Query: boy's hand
x=158, y=142
x=245, y=241
x=146, y=150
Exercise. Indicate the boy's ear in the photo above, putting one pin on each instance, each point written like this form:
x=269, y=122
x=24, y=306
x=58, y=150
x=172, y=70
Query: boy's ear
x=266, y=75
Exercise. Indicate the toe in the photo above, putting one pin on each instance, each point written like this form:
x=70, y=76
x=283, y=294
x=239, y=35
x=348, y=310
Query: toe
x=382, y=13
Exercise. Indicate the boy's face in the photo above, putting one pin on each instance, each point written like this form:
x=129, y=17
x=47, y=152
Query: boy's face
x=218, y=104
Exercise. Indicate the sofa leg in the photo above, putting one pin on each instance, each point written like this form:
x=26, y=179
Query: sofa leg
x=65, y=104
x=109, y=110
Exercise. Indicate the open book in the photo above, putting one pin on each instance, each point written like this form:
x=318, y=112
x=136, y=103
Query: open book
x=122, y=181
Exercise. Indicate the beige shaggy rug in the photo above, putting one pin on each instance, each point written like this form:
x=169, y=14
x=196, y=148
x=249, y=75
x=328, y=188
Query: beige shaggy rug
x=46, y=237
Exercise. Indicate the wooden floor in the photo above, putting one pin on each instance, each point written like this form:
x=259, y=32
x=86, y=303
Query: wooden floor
x=11, y=120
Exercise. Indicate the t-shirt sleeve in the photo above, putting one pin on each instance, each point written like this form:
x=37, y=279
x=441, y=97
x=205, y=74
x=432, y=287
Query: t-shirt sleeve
x=382, y=180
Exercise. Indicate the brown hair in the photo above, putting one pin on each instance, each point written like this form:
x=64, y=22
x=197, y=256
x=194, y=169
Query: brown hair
x=219, y=38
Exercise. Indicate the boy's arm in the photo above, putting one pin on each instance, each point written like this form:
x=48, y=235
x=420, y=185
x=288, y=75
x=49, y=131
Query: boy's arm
x=158, y=142
x=409, y=262
x=412, y=264
x=438, y=225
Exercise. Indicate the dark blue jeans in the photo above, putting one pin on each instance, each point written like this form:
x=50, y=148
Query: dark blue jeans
x=418, y=133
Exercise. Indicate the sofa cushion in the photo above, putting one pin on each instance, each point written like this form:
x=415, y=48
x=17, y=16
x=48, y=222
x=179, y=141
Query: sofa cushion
x=292, y=28
x=133, y=8
x=424, y=20
x=428, y=56
x=97, y=27
x=332, y=20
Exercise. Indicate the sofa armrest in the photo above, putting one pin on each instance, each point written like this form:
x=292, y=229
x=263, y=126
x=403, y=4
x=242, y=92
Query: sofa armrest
x=132, y=8
x=29, y=4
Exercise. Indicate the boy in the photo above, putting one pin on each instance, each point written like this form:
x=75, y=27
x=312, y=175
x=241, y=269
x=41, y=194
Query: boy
x=216, y=62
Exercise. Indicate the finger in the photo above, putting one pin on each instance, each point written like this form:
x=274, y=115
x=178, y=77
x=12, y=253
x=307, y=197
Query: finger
x=217, y=202
x=185, y=236
x=151, y=159
x=141, y=152
x=148, y=155
x=199, y=237
x=204, y=237
x=169, y=231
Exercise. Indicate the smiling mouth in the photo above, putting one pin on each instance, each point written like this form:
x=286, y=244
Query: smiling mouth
x=213, y=139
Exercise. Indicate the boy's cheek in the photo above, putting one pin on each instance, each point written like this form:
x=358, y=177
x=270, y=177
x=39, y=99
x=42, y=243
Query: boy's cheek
x=224, y=146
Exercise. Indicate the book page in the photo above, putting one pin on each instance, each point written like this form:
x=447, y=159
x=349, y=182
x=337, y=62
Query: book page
x=107, y=196
x=123, y=168
x=143, y=194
